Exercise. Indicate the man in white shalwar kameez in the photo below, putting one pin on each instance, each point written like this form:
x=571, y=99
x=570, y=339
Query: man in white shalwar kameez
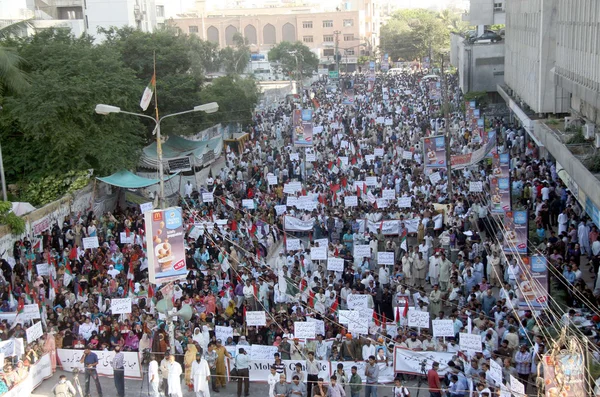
x=174, y=379
x=201, y=376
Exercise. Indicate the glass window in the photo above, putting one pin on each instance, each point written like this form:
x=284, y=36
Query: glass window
x=307, y=39
x=307, y=24
x=348, y=37
x=328, y=38
x=160, y=11
x=193, y=29
x=348, y=23
x=350, y=51
x=328, y=24
x=328, y=52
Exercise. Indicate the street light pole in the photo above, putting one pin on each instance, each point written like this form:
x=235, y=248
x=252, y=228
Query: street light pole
x=206, y=108
x=2, y=174
x=447, y=131
x=337, y=45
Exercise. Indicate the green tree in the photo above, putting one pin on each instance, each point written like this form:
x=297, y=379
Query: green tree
x=235, y=58
x=417, y=33
x=294, y=57
x=12, y=77
x=51, y=128
x=237, y=98
x=7, y=217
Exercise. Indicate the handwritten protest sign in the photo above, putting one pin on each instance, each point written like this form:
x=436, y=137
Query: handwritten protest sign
x=145, y=207
x=294, y=156
x=362, y=250
x=318, y=253
x=476, y=187
x=371, y=181
x=256, y=319
x=378, y=152
x=120, y=306
x=516, y=387
x=322, y=242
x=418, y=319
x=469, y=342
x=496, y=371
x=435, y=178
x=292, y=244
x=407, y=155
x=280, y=209
x=358, y=327
x=404, y=202
x=125, y=239
x=30, y=312
x=248, y=203
x=90, y=242
x=319, y=325
x=223, y=332
x=356, y=301
x=388, y=194
x=442, y=328
x=346, y=316
x=262, y=352
x=351, y=201
x=304, y=330
x=272, y=179
x=310, y=157
x=34, y=332
x=43, y=269
x=208, y=198
x=385, y=258
x=335, y=265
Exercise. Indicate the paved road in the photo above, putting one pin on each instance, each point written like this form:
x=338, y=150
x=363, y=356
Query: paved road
x=133, y=388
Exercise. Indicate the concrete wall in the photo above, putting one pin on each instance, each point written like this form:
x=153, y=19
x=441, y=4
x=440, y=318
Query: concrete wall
x=481, y=12
x=480, y=66
x=531, y=53
x=119, y=13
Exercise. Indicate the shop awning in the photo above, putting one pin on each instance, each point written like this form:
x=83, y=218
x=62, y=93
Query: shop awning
x=129, y=180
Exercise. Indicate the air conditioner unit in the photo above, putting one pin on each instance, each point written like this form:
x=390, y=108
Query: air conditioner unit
x=589, y=130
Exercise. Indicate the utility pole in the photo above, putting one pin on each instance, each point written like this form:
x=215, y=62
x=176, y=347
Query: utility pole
x=3, y=181
x=446, y=105
x=337, y=46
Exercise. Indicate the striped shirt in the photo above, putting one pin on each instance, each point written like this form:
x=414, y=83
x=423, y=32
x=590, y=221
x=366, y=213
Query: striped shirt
x=118, y=361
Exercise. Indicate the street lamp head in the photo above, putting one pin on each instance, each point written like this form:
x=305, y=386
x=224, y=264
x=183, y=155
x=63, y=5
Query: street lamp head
x=207, y=107
x=107, y=109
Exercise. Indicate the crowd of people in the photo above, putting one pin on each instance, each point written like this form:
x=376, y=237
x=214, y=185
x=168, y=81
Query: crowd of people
x=449, y=255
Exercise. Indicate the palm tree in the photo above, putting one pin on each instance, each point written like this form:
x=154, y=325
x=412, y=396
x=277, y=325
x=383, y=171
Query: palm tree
x=12, y=77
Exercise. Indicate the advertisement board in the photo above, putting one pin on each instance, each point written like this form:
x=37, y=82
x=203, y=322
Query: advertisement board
x=533, y=283
x=515, y=237
x=435, y=151
x=166, y=252
x=564, y=375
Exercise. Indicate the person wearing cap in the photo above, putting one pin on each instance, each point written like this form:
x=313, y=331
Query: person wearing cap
x=242, y=365
x=201, y=376
x=64, y=388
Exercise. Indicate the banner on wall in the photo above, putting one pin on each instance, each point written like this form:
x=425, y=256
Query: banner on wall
x=409, y=362
x=260, y=369
x=292, y=224
x=515, y=236
x=37, y=373
x=69, y=360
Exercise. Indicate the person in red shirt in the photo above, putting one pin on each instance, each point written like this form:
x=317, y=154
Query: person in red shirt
x=433, y=380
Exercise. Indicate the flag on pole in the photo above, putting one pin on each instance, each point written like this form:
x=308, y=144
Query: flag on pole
x=403, y=243
x=405, y=308
x=148, y=93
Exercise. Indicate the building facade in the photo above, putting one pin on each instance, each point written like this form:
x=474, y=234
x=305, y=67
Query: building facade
x=355, y=29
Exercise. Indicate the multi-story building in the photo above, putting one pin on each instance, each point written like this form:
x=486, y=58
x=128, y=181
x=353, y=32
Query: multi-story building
x=355, y=28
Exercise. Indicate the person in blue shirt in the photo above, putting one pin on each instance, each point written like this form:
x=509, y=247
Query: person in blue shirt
x=569, y=274
x=90, y=362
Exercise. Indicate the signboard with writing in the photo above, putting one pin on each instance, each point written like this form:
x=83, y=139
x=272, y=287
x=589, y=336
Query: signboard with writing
x=208, y=198
x=90, y=242
x=120, y=306
x=42, y=269
x=34, y=332
x=30, y=312
x=418, y=319
x=442, y=328
x=304, y=330
x=469, y=342
x=318, y=253
x=180, y=164
x=335, y=265
x=357, y=301
x=256, y=319
x=385, y=258
x=351, y=201
x=292, y=244
x=223, y=333
x=362, y=250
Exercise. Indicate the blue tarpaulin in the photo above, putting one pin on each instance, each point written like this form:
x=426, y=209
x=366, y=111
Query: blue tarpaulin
x=129, y=180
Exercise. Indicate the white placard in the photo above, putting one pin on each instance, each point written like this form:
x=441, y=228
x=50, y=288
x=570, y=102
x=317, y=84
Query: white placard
x=344, y=160
x=344, y=144
x=43, y=269
x=291, y=201
x=223, y=333
x=389, y=120
x=347, y=316
x=304, y=330
x=120, y=306
x=516, y=387
x=335, y=264
x=272, y=179
x=262, y=352
x=318, y=253
x=380, y=120
x=294, y=156
x=496, y=372
x=311, y=157
x=124, y=239
x=404, y=202
x=256, y=319
x=358, y=327
x=435, y=178
x=145, y=207
x=378, y=152
x=30, y=312
x=407, y=155
x=351, y=201
x=381, y=203
x=388, y=194
x=319, y=325
x=476, y=187
x=90, y=242
x=357, y=301
x=248, y=203
x=292, y=244
x=442, y=328
x=208, y=198
x=369, y=158
x=385, y=258
x=469, y=342
x=280, y=209
x=371, y=181
x=418, y=319
x=317, y=129
x=362, y=250
x=34, y=332
x=322, y=242
x=7, y=347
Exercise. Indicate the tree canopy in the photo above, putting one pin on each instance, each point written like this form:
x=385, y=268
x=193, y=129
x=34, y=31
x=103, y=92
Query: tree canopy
x=48, y=126
x=293, y=57
x=417, y=33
